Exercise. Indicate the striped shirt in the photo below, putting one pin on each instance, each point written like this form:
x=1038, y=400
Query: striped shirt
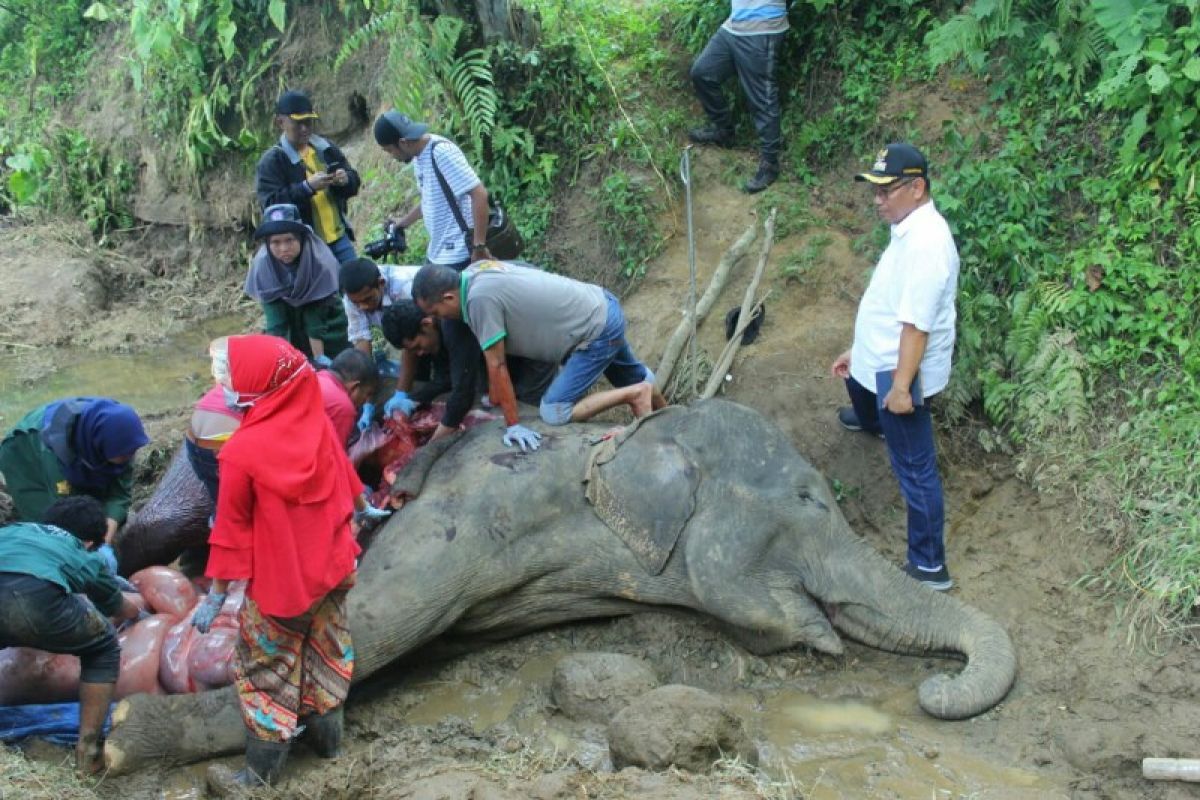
x=397, y=282
x=753, y=17
x=447, y=243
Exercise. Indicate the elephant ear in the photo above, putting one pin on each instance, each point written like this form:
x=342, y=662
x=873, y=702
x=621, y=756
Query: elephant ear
x=642, y=485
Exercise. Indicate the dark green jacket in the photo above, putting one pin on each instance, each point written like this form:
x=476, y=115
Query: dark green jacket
x=324, y=320
x=54, y=555
x=35, y=477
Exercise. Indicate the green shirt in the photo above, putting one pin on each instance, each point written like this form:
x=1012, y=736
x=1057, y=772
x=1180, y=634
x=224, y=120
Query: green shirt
x=52, y=554
x=324, y=320
x=35, y=478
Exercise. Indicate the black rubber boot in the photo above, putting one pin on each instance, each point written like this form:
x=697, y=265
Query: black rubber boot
x=768, y=171
x=710, y=135
x=264, y=763
x=323, y=732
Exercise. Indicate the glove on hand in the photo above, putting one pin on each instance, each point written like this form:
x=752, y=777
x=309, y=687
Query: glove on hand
x=371, y=514
x=129, y=623
x=109, y=556
x=399, y=402
x=364, y=421
x=208, y=611
x=322, y=361
x=520, y=435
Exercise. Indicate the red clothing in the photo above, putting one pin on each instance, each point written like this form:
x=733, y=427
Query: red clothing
x=214, y=401
x=338, y=405
x=287, y=487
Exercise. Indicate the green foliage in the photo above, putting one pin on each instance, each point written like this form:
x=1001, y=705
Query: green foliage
x=626, y=206
x=70, y=175
x=798, y=265
x=199, y=64
x=1077, y=229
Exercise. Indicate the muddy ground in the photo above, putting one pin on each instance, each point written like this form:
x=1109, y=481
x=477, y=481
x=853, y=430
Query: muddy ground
x=1086, y=708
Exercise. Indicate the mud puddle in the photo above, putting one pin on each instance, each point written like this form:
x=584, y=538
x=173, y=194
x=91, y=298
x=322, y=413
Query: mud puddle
x=835, y=748
x=160, y=378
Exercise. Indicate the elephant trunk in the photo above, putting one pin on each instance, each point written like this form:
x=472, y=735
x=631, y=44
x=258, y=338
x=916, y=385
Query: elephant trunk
x=872, y=601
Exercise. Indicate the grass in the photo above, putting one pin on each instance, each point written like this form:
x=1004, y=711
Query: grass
x=34, y=780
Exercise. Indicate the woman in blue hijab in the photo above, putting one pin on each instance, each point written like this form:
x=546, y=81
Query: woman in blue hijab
x=78, y=445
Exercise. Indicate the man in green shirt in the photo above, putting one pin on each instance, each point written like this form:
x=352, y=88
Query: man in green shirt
x=45, y=567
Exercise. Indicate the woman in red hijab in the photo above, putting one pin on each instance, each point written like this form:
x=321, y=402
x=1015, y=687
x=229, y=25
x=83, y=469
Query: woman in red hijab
x=287, y=497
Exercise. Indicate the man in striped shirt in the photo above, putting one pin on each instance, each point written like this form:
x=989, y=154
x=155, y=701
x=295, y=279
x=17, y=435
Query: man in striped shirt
x=748, y=43
x=443, y=177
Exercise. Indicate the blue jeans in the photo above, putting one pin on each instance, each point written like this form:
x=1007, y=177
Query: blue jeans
x=909, y=439
x=608, y=354
x=41, y=614
x=343, y=249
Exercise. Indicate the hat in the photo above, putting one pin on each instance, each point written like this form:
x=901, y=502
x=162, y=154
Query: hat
x=392, y=126
x=281, y=218
x=295, y=105
x=896, y=161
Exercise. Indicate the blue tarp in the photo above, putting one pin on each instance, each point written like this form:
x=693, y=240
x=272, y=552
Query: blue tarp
x=54, y=722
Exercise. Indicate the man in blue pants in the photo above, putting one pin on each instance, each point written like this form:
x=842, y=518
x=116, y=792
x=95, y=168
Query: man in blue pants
x=903, y=342
x=748, y=44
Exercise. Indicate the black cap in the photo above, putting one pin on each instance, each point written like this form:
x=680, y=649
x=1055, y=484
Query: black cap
x=392, y=126
x=296, y=105
x=281, y=218
x=896, y=161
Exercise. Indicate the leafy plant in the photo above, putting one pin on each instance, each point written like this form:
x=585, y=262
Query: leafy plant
x=626, y=217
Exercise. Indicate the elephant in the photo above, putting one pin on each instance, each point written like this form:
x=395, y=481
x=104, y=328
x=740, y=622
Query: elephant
x=705, y=509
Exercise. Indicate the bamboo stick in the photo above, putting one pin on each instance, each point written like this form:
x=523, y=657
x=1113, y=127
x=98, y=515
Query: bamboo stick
x=1171, y=769
x=675, y=345
x=745, y=314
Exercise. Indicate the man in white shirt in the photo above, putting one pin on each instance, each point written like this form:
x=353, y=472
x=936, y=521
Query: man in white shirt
x=367, y=289
x=903, y=342
x=453, y=198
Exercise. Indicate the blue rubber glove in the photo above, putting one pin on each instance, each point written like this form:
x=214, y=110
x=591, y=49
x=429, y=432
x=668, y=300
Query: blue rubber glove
x=520, y=435
x=125, y=586
x=399, y=402
x=208, y=610
x=322, y=361
x=371, y=514
x=364, y=421
x=109, y=557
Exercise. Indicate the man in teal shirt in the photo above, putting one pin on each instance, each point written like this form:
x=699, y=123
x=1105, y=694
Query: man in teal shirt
x=43, y=570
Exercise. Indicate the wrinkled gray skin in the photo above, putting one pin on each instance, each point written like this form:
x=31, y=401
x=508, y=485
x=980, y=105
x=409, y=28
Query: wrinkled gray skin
x=173, y=519
x=499, y=544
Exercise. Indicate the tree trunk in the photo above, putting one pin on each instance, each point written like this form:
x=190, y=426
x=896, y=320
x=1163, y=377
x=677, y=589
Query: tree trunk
x=496, y=20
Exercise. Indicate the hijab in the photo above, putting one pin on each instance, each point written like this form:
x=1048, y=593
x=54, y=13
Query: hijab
x=101, y=429
x=312, y=277
x=285, y=442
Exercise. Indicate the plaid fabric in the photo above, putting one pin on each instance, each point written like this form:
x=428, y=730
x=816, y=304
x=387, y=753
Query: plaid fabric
x=289, y=668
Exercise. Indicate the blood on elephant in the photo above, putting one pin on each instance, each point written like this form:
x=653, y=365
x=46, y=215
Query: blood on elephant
x=166, y=590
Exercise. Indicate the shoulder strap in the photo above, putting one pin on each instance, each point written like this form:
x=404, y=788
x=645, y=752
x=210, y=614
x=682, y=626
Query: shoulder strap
x=451, y=200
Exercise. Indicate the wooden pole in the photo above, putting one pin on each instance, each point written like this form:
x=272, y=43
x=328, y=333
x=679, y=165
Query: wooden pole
x=1171, y=769
x=745, y=313
x=675, y=345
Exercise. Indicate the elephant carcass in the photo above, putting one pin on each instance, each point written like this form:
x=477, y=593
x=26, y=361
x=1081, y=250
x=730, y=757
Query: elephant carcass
x=499, y=543
x=172, y=520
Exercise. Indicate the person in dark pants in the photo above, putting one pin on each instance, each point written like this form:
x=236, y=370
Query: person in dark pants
x=43, y=570
x=903, y=342
x=309, y=172
x=457, y=363
x=748, y=43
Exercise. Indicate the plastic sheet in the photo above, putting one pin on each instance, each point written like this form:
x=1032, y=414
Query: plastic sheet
x=55, y=722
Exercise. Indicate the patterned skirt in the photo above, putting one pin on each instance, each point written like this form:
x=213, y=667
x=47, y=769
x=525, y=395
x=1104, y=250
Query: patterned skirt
x=289, y=668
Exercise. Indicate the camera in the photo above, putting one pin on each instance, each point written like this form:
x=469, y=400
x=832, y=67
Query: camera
x=393, y=241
